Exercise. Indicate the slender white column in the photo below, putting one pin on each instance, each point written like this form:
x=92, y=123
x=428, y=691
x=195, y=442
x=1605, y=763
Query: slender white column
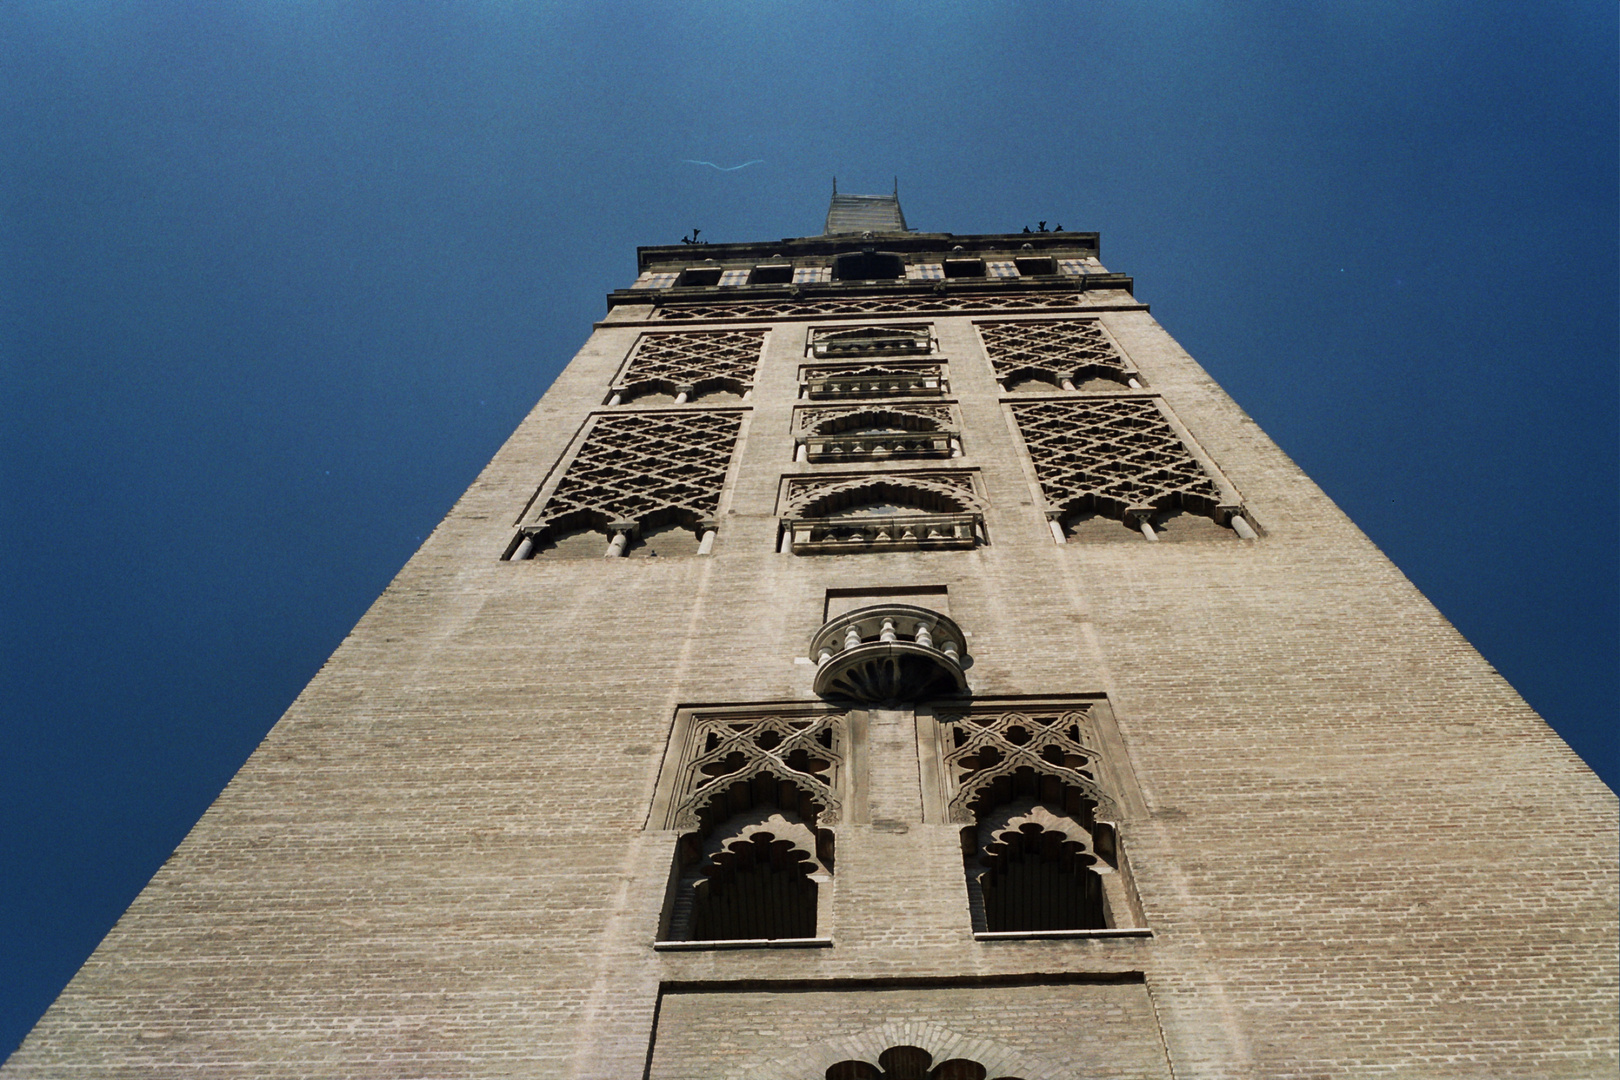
x=616, y=546
x=524, y=549
x=956, y=446
x=1241, y=526
x=1057, y=530
x=1067, y=384
x=1147, y=530
x=615, y=399
x=680, y=398
x=706, y=544
x=804, y=452
x=888, y=632
x=1133, y=384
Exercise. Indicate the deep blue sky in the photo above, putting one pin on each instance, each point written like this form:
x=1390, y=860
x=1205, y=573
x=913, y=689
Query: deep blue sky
x=276, y=279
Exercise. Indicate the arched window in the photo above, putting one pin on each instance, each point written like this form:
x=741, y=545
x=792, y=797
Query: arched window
x=757, y=876
x=753, y=796
x=1030, y=869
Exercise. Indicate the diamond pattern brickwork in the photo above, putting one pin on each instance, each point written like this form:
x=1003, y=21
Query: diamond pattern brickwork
x=635, y=465
x=1062, y=349
x=1111, y=454
x=691, y=359
x=852, y=306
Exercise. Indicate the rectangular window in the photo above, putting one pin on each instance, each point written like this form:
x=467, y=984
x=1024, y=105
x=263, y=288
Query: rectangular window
x=955, y=268
x=700, y=275
x=772, y=274
x=1034, y=267
x=650, y=280
x=1000, y=269
x=1073, y=266
x=925, y=272
x=811, y=275
x=734, y=277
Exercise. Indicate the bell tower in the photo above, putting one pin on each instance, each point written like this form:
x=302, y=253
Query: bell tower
x=881, y=654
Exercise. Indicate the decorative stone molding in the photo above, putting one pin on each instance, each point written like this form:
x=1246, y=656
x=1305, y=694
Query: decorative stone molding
x=719, y=751
x=837, y=341
x=875, y=433
x=857, y=306
x=993, y=758
x=881, y=512
x=898, y=379
x=889, y=652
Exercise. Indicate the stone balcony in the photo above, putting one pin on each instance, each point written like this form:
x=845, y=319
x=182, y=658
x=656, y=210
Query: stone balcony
x=922, y=381
x=879, y=445
x=889, y=652
x=871, y=341
x=855, y=534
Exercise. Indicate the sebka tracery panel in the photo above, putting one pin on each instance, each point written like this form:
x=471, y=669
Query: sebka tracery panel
x=1113, y=456
x=640, y=470
x=1053, y=351
x=692, y=363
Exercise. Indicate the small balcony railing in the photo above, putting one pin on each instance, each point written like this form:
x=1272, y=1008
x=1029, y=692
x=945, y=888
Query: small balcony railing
x=905, y=384
x=913, y=532
x=878, y=446
x=889, y=652
x=872, y=341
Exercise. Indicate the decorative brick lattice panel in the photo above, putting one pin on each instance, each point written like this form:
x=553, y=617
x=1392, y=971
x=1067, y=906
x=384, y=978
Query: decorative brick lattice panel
x=728, y=356
x=1046, y=754
x=926, y=417
x=1111, y=454
x=1064, y=349
x=804, y=751
x=865, y=305
x=638, y=464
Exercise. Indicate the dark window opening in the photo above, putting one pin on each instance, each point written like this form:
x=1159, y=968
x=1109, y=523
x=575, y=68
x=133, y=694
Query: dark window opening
x=757, y=888
x=772, y=274
x=1037, y=881
x=955, y=268
x=868, y=266
x=1035, y=266
x=700, y=275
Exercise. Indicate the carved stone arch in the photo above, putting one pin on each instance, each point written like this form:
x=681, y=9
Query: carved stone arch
x=997, y=759
x=926, y=495
x=877, y=416
x=760, y=782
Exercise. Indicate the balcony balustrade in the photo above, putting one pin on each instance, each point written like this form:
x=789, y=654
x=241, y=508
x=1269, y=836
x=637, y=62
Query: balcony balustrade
x=925, y=381
x=889, y=652
x=851, y=535
x=879, y=445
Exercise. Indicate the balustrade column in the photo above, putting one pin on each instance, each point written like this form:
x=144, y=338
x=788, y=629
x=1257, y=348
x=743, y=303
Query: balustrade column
x=706, y=544
x=524, y=549
x=1241, y=526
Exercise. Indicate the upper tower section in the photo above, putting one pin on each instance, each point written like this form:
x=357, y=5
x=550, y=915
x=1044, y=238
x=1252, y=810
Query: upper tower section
x=859, y=214
x=867, y=250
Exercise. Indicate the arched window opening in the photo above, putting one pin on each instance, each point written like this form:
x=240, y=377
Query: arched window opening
x=1033, y=869
x=755, y=887
x=909, y=1063
x=757, y=875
